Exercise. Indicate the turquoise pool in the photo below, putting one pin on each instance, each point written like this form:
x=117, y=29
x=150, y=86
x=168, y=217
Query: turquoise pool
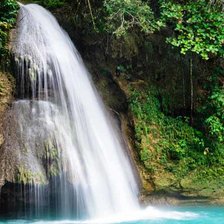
x=174, y=215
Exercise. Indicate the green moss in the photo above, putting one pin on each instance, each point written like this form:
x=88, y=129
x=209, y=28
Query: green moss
x=51, y=158
x=51, y=150
x=26, y=176
x=207, y=182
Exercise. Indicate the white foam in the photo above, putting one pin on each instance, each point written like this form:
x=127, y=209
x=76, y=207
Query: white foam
x=150, y=213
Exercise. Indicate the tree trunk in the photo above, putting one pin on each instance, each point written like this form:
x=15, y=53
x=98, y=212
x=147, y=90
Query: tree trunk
x=91, y=13
x=192, y=90
x=184, y=93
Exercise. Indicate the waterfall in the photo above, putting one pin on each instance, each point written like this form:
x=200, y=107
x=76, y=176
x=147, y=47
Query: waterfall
x=60, y=110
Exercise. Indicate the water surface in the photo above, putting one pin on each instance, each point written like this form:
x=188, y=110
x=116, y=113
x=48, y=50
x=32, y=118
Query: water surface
x=174, y=215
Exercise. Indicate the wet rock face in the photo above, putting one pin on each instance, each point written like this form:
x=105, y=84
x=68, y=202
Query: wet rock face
x=6, y=90
x=31, y=162
x=29, y=154
x=30, y=201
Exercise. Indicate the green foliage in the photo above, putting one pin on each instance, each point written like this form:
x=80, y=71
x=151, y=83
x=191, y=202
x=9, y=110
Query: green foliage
x=216, y=127
x=50, y=4
x=212, y=113
x=8, y=12
x=164, y=139
x=215, y=122
x=198, y=26
x=124, y=15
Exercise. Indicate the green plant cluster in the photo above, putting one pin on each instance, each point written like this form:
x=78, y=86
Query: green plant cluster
x=170, y=142
x=8, y=12
x=198, y=26
x=215, y=122
x=125, y=15
x=212, y=113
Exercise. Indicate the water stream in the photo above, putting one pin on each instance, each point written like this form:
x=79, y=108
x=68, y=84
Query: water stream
x=59, y=108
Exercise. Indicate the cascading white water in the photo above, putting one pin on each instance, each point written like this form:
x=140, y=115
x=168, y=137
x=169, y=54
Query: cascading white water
x=61, y=96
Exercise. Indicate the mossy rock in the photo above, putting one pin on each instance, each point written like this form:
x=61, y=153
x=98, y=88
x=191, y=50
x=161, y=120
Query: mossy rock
x=202, y=184
x=164, y=180
x=26, y=176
